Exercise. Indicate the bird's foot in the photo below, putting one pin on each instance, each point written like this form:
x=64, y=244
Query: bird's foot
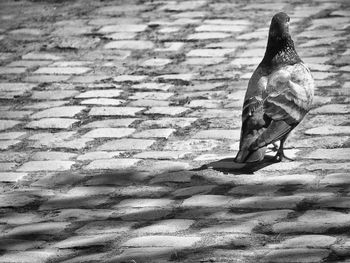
x=280, y=156
x=275, y=147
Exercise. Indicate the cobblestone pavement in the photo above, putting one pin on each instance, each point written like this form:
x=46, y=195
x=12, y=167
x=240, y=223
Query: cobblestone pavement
x=108, y=107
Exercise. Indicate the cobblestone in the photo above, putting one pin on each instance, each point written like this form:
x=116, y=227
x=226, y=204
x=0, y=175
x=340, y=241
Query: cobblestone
x=328, y=130
x=162, y=241
x=111, y=164
x=11, y=177
x=15, y=200
x=297, y=255
x=111, y=113
x=109, y=133
x=52, y=123
x=330, y=154
x=162, y=155
x=38, y=255
x=172, y=111
x=45, y=156
x=64, y=111
x=85, y=241
x=113, y=123
x=207, y=201
x=7, y=124
x=167, y=226
x=46, y=166
x=309, y=241
x=342, y=249
x=53, y=94
x=154, y=133
x=209, y=52
x=129, y=44
x=62, y=70
x=322, y=220
x=115, y=111
x=332, y=108
x=126, y=144
x=109, y=93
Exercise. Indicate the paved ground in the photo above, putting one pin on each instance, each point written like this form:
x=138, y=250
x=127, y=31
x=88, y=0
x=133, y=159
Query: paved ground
x=108, y=107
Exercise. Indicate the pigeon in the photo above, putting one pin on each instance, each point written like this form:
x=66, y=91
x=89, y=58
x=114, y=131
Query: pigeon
x=279, y=95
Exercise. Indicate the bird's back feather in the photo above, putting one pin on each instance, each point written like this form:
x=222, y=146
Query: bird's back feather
x=279, y=101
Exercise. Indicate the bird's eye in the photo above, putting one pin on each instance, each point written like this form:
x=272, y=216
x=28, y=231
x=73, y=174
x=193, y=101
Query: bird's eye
x=288, y=19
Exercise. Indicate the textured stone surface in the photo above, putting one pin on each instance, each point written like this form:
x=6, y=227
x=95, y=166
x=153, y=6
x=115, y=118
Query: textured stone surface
x=129, y=44
x=7, y=124
x=15, y=199
x=114, y=111
x=330, y=154
x=218, y=134
x=110, y=123
x=162, y=155
x=168, y=122
x=297, y=255
x=309, y=241
x=46, y=166
x=11, y=177
x=45, y=156
x=62, y=70
x=111, y=164
x=4, y=145
x=207, y=201
x=106, y=93
x=52, y=123
x=86, y=241
x=342, y=249
x=38, y=255
x=192, y=145
x=314, y=221
x=154, y=133
x=120, y=122
x=209, y=52
x=98, y=155
x=53, y=94
x=167, y=226
x=64, y=111
x=332, y=108
x=172, y=111
x=126, y=144
x=102, y=101
x=162, y=241
x=109, y=133
x=328, y=130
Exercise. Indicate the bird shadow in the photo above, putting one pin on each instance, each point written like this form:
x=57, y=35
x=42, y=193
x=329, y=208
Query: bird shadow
x=228, y=165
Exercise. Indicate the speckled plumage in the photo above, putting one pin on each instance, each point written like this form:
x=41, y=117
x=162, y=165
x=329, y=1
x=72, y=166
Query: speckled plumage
x=278, y=96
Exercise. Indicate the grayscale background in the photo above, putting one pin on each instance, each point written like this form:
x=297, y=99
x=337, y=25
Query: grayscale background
x=120, y=119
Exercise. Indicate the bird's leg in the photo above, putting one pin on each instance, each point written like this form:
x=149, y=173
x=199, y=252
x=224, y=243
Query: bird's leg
x=280, y=154
x=275, y=147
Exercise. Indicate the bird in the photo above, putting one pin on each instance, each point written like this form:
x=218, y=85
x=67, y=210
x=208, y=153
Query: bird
x=278, y=96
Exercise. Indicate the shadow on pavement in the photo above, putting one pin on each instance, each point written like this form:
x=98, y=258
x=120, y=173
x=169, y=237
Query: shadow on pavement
x=228, y=165
x=145, y=215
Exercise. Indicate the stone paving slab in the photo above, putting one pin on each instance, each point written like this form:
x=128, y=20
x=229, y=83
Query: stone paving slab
x=120, y=120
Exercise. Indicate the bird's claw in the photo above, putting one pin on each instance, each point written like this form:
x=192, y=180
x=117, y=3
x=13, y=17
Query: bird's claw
x=280, y=156
x=275, y=147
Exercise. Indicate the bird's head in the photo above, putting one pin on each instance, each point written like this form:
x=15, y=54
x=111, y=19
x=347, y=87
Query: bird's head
x=280, y=46
x=279, y=28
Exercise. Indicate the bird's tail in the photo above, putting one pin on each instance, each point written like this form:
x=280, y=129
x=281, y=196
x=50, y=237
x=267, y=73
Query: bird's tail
x=247, y=156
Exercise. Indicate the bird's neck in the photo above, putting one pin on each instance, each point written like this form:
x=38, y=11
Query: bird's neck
x=280, y=51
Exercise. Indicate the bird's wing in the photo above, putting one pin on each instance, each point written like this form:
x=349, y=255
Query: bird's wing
x=253, y=97
x=253, y=117
x=287, y=99
x=289, y=94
